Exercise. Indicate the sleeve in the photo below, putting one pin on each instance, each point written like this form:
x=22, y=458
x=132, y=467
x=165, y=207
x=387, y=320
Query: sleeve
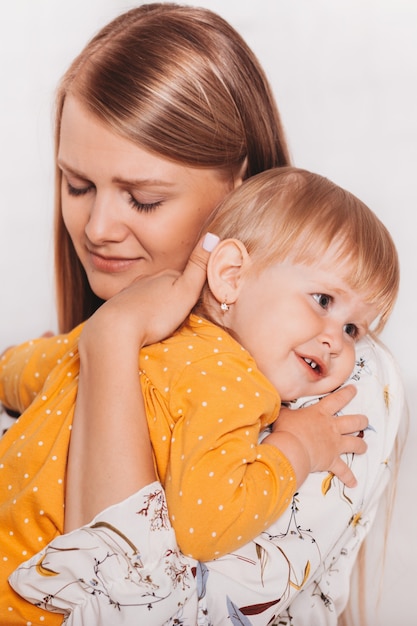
x=24, y=368
x=123, y=568
x=222, y=487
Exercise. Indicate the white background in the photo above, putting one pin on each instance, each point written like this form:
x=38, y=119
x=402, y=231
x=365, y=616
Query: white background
x=345, y=77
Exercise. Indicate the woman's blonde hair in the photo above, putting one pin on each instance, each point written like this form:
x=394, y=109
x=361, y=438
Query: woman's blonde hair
x=290, y=213
x=180, y=82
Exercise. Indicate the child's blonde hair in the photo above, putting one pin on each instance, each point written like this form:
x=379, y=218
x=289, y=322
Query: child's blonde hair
x=290, y=213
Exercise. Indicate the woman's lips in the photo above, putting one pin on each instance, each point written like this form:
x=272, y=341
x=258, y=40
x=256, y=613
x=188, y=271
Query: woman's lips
x=110, y=265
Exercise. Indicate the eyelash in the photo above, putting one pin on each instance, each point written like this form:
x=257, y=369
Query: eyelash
x=77, y=191
x=145, y=207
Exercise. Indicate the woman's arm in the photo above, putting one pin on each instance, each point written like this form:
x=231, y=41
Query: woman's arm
x=123, y=568
x=110, y=455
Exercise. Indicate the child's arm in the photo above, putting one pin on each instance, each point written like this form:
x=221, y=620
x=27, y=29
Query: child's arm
x=24, y=368
x=223, y=488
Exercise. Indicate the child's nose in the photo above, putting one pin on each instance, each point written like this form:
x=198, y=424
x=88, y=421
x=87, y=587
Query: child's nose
x=332, y=337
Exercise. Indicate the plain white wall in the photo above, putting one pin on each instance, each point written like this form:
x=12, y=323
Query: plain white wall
x=345, y=77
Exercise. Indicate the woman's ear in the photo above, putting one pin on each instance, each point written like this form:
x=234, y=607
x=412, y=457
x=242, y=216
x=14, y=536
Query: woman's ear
x=240, y=174
x=226, y=267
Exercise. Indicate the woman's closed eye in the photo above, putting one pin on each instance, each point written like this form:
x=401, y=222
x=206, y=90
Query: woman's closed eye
x=145, y=207
x=83, y=189
x=78, y=191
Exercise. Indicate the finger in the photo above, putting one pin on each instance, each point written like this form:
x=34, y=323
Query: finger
x=353, y=445
x=343, y=473
x=334, y=402
x=348, y=424
x=201, y=253
x=195, y=272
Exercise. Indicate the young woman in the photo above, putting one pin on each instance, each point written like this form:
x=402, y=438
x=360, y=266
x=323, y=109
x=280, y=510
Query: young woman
x=141, y=153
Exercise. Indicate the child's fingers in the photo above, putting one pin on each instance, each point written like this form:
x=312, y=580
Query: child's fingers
x=348, y=424
x=336, y=401
x=343, y=473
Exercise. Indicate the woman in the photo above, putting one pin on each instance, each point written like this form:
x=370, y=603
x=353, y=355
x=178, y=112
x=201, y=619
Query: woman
x=144, y=80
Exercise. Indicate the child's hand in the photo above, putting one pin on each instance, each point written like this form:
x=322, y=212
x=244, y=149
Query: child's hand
x=313, y=438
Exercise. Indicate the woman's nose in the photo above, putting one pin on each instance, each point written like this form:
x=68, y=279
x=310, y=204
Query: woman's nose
x=105, y=223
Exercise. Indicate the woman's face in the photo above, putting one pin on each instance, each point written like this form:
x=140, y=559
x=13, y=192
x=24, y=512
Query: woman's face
x=129, y=212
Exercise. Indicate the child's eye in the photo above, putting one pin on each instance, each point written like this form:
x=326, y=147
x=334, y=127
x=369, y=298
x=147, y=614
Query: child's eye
x=352, y=330
x=322, y=299
x=145, y=207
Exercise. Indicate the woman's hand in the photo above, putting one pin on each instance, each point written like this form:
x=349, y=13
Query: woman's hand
x=153, y=307
x=110, y=455
x=313, y=438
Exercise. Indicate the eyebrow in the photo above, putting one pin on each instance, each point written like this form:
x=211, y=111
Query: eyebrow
x=118, y=180
x=139, y=182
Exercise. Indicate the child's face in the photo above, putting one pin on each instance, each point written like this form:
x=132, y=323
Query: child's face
x=300, y=323
x=129, y=212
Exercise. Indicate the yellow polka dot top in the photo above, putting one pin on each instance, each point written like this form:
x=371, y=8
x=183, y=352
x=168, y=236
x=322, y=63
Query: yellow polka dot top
x=206, y=403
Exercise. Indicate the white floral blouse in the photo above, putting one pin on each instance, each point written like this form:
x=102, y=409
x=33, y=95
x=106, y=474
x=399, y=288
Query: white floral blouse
x=125, y=567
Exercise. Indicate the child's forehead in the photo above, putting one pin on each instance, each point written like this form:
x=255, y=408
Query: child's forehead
x=331, y=264
x=328, y=273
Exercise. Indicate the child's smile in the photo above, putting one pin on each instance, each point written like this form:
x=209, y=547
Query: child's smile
x=300, y=323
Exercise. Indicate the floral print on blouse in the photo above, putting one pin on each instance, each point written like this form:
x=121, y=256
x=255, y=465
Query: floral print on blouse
x=125, y=567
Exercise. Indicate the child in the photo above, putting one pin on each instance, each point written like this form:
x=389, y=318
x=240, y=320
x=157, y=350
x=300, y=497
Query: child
x=294, y=285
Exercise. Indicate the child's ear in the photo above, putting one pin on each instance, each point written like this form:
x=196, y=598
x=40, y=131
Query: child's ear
x=226, y=267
